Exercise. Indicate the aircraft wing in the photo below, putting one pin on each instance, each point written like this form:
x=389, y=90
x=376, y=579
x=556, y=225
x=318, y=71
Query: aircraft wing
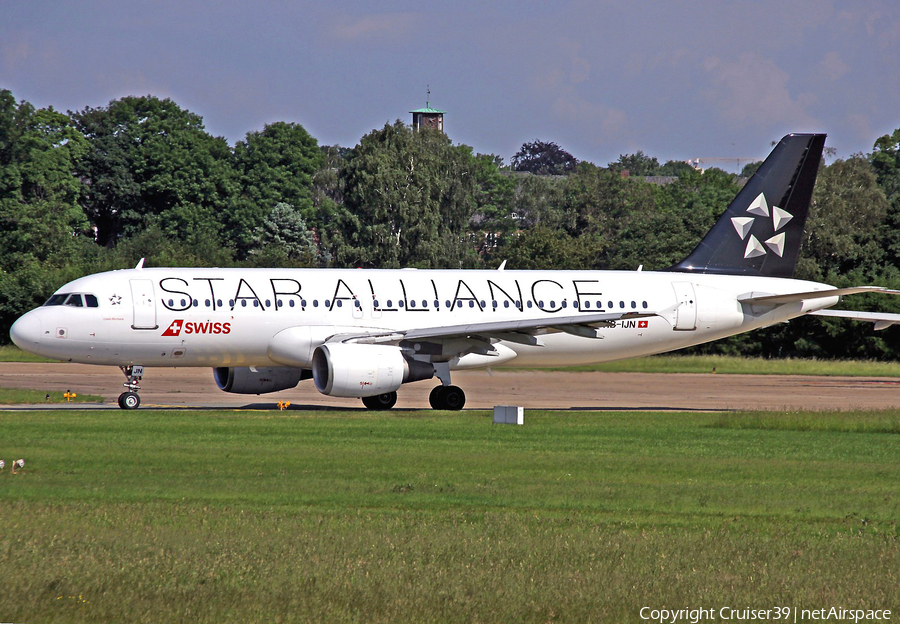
x=814, y=294
x=882, y=320
x=522, y=331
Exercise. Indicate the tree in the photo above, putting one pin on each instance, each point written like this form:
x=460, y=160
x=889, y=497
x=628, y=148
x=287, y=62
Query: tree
x=153, y=162
x=545, y=248
x=844, y=223
x=283, y=238
x=409, y=195
x=274, y=166
x=542, y=158
x=637, y=164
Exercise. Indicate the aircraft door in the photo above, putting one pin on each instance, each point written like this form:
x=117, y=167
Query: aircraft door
x=144, y=304
x=686, y=306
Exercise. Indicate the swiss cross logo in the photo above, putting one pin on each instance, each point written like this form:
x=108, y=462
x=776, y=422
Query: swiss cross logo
x=642, y=324
x=174, y=329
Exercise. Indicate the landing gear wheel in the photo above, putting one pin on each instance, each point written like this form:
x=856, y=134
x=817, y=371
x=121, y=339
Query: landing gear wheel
x=380, y=402
x=129, y=400
x=447, y=398
x=436, y=398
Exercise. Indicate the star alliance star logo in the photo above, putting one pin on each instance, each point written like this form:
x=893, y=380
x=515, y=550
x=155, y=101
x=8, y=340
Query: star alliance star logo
x=115, y=300
x=743, y=225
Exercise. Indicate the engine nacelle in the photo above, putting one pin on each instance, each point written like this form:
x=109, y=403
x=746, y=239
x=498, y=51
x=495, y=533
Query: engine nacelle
x=244, y=380
x=361, y=370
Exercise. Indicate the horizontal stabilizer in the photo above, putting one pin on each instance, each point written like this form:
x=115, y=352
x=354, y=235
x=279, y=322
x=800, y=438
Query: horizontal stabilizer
x=882, y=320
x=814, y=294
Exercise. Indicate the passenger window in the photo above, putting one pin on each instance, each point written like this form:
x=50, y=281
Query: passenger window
x=587, y=304
x=91, y=301
x=315, y=303
x=268, y=303
x=645, y=305
x=471, y=303
x=424, y=303
x=621, y=304
x=633, y=305
x=506, y=304
x=328, y=303
x=389, y=303
x=399, y=304
x=340, y=303
x=447, y=304
x=219, y=302
x=207, y=302
x=74, y=301
x=529, y=304
x=375, y=302
x=412, y=304
x=244, y=302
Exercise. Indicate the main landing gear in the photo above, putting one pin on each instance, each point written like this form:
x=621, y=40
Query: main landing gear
x=447, y=398
x=130, y=400
x=380, y=402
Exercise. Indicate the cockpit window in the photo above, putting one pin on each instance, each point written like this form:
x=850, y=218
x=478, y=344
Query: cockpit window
x=57, y=299
x=73, y=299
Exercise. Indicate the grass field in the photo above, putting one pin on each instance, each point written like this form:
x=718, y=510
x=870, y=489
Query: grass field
x=12, y=353
x=16, y=396
x=429, y=516
x=725, y=364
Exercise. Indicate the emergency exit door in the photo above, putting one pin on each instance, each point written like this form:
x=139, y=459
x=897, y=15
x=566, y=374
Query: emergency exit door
x=686, y=307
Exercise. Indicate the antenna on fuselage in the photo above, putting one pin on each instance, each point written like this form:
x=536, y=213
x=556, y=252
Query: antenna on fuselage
x=140, y=264
x=502, y=266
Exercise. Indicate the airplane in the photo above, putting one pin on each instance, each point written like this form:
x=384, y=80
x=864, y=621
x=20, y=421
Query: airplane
x=363, y=333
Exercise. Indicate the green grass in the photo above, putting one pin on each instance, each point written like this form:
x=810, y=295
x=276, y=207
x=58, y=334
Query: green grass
x=411, y=516
x=12, y=353
x=16, y=396
x=725, y=364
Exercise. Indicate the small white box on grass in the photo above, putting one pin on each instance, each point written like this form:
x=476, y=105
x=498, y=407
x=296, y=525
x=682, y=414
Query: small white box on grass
x=509, y=415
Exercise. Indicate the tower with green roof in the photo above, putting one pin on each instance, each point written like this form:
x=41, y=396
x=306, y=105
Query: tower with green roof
x=428, y=117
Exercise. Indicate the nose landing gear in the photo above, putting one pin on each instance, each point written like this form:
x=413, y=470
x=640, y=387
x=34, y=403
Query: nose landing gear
x=130, y=400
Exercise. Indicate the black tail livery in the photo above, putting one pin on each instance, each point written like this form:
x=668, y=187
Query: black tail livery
x=761, y=230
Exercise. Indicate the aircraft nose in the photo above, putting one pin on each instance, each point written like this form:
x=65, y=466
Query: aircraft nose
x=26, y=331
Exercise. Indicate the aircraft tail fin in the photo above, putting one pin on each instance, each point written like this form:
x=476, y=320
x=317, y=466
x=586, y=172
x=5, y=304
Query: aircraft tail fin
x=760, y=232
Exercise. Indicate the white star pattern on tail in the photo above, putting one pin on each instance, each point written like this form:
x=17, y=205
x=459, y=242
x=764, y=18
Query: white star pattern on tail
x=743, y=225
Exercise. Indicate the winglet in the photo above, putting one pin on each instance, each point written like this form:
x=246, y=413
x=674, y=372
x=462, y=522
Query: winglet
x=502, y=266
x=140, y=264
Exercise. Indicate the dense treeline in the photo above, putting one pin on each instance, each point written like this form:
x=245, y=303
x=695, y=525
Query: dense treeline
x=100, y=188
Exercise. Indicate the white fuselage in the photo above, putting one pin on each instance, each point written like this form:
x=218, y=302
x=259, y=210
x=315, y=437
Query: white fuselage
x=232, y=317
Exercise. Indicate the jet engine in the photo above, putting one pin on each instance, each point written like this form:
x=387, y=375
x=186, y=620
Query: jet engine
x=360, y=370
x=244, y=380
